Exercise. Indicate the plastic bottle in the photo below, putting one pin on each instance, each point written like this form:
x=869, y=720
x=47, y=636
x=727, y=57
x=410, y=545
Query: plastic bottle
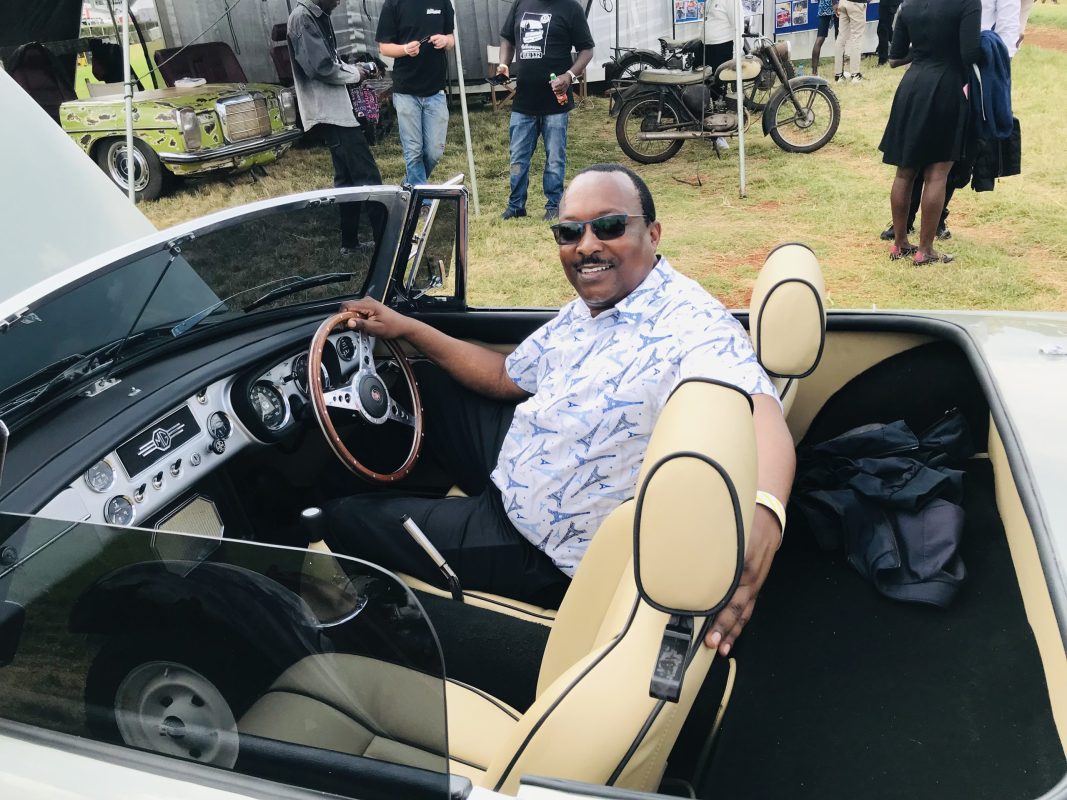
x=561, y=97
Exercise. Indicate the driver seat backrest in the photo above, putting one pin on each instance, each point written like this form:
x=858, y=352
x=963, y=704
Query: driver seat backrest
x=678, y=547
x=787, y=317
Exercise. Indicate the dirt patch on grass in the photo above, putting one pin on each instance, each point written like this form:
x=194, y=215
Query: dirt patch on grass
x=768, y=205
x=1049, y=38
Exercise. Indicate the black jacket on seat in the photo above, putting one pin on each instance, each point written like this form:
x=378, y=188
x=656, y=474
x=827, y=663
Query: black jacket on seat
x=890, y=499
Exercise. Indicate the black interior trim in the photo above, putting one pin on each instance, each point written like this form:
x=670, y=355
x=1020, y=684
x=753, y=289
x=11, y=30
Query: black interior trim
x=759, y=328
x=739, y=529
x=713, y=382
x=589, y=789
x=562, y=696
x=494, y=601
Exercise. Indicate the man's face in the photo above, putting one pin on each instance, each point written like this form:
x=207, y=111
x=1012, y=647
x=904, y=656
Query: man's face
x=327, y=5
x=604, y=272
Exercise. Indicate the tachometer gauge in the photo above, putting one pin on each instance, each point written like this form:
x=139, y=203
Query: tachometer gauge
x=345, y=348
x=300, y=374
x=118, y=511
x=268, y=405
x=219, y=425
x=100, y=476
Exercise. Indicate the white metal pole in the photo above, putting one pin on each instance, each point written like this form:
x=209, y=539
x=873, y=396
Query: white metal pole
x=128, y=96
x=466, y=119
x=740, y=21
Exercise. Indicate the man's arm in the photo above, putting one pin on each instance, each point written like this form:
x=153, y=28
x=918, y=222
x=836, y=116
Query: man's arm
x=313, y=55
x=479, y=369
x=776, y=457
x=1007, y=24
x=507, y=52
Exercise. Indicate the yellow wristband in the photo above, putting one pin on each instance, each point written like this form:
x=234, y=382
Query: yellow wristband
x=774, y=505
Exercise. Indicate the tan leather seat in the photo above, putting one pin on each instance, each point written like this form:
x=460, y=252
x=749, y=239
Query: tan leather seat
x=673, y=554
x=787, y=317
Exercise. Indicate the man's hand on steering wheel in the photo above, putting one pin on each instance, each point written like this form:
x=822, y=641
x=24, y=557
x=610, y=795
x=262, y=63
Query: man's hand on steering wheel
x=376, y=320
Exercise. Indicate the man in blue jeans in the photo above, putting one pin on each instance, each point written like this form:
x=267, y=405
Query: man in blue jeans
x=540, y=35
x=416, y=34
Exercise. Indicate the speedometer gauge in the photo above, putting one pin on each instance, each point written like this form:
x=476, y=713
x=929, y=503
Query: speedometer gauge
x=268, y=405
x=100, y=476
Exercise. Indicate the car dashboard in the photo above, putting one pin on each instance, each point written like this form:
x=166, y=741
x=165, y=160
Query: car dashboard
x=153, y=472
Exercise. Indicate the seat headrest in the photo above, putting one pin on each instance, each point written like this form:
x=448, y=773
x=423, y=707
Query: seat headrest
x=787, y=318
x=696, y=497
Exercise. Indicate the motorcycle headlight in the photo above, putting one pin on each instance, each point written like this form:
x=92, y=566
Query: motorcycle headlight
x=287, y=106
x=189, y=125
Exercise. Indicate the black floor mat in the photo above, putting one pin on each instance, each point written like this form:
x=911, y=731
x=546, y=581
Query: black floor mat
x=842, y=693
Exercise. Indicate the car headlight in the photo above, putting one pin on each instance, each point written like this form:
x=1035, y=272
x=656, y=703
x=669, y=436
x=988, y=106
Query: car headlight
x=189, y=125
x=287, y=105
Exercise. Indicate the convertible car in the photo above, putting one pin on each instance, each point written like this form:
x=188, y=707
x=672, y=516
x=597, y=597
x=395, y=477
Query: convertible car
x=177, y=411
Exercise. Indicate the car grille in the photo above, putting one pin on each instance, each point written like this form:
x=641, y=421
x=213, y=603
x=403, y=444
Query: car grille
x=244, y=117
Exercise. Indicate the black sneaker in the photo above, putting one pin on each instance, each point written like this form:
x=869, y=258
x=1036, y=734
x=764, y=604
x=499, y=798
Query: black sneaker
x=943, y=233
x=511, y=213
x=887, y=235
x=840, y=76
x=857, y=77
x=551, y=214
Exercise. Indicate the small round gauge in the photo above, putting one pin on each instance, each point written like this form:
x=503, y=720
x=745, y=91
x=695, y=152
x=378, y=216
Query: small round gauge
x=345, y=348
x=268, y=404
x=300, y=374
x=100, y=476
x=119, y=511
x=219, y=425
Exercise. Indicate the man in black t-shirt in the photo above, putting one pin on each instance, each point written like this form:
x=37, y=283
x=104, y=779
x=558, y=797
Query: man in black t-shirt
x=539, y=35
x=416, y=34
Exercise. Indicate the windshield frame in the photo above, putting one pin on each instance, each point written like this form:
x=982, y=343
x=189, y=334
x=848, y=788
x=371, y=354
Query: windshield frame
x=23, y=305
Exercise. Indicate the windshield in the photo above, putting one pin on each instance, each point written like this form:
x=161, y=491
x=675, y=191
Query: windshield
x=288, y=257
x=296, y=666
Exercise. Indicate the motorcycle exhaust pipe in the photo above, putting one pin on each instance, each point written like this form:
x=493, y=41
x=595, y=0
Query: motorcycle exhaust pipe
x=656, y=136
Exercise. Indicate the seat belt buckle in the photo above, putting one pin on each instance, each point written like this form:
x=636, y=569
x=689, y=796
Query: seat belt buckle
x=672, y=659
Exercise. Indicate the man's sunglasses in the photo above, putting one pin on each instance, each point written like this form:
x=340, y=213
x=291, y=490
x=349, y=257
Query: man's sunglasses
x=606, y=228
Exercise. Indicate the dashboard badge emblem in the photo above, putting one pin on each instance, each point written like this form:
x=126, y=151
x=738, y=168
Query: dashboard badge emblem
x=161, y=439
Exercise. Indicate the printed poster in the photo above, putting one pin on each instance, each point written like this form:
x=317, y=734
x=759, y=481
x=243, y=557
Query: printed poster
x=753, y=8
x=783, y=15
x=800, y=12
x=688, y=10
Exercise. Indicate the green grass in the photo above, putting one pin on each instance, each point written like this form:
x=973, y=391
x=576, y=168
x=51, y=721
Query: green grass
x=1048, y=14
x=1011, y=245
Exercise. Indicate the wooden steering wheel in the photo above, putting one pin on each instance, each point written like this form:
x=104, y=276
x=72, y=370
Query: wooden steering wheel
x=365, y=394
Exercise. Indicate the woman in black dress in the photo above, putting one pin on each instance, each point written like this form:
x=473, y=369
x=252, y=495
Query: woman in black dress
x=929, y=119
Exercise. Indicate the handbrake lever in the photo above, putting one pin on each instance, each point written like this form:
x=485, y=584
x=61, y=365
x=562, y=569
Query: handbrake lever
x=415, y=532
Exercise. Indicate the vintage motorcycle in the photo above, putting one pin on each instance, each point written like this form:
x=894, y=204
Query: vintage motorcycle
x=664, y=107
x=686, y=54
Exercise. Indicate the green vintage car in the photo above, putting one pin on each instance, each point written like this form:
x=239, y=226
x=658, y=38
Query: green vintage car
x=184, y=131
x=190, y=128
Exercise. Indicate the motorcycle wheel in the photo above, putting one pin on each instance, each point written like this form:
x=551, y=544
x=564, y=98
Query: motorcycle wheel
x=640, y=115
x=807, y=132
x=629, y=67
x=759, y=91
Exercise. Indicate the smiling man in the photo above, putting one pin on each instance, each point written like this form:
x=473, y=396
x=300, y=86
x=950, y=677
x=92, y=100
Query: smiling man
x=549, y=440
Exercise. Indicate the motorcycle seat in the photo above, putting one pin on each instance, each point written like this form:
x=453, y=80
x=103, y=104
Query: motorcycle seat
x=727, y=72
x=681, y=44
x=675, y=77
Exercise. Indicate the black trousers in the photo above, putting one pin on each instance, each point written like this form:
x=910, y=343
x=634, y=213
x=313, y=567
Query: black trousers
x=464, y=431
x=353, y=165
x=886, y=14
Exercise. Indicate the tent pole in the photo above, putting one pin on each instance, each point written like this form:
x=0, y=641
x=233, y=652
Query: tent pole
x=466, y=118
x=739, y=22
x=128, y=97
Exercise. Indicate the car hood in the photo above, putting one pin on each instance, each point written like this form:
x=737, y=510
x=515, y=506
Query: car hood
x=181, y=97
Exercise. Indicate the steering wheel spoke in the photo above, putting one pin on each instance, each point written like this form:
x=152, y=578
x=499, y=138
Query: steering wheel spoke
x=341, y=398
x=398, y=414
x=365, y=394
